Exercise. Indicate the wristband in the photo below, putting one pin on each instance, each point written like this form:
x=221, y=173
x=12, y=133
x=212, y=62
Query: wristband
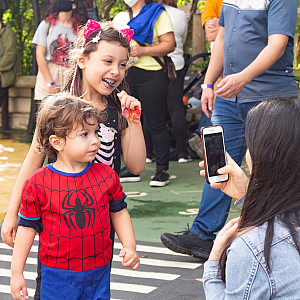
x=207, y=86
x=51, y=83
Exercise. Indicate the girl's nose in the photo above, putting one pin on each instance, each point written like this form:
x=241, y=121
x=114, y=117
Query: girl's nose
x=115, y=69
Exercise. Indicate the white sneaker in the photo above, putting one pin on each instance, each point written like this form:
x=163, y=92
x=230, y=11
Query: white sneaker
x=183, y=160
x=148, y=160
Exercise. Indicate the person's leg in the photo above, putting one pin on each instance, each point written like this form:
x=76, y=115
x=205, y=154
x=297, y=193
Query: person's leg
x=4, y=111
x=148, y=139
x=176, y=110
x=214, y=205
x=150, y=87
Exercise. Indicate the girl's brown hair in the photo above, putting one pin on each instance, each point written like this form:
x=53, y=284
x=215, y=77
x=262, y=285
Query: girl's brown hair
x=110, y=35
x=58, y=114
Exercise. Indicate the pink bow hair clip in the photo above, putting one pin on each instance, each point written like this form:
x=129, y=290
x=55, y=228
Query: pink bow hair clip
x=128, y=33
x=89, y=28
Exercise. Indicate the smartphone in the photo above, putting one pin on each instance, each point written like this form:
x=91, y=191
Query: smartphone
x=214, y=153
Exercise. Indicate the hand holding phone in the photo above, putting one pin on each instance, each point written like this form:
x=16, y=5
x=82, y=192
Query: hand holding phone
x=214, y=153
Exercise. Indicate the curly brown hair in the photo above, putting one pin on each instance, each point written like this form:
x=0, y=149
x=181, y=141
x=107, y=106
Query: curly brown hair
x=58, y=114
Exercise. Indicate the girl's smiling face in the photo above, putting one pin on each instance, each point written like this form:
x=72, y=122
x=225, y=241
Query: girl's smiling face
x=108, y=62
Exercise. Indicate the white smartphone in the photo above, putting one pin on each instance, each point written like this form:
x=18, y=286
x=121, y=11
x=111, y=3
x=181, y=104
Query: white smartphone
x=214, y=153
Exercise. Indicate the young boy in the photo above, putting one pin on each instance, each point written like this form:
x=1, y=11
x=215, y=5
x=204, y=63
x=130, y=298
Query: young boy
x=70, y=203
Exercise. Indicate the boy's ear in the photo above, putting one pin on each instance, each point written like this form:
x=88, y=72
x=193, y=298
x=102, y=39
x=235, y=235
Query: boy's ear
x=56, y=142
x=81, y=62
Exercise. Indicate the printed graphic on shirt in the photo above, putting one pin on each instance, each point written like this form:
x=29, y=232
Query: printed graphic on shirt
x=59, y=49
x=250, y=4
x=107, y=148
x=79, y=211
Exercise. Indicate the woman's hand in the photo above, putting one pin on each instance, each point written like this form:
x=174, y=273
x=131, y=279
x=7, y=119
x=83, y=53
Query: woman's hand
x=136, y=51
x=224, y=237
x=237, y=184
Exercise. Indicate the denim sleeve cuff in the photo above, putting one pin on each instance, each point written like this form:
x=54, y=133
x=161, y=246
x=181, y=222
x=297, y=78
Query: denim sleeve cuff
x=35, y=224
x=240, y=202
x=117, y=205
x=211, y=269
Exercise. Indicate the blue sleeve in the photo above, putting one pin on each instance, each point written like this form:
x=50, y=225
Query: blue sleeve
x=35, y=224
x=282, y=17
x=221, y=18
x=251, y=282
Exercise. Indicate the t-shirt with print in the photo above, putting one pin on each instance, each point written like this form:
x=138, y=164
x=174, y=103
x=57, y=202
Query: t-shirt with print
x=74, y=211
x=110, y=138
x=58, y=40
x=161, y=26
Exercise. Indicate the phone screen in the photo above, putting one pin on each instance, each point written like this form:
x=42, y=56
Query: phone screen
x=214, y=152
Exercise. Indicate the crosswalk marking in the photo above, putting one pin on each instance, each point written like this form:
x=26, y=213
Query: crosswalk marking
x=160, y=265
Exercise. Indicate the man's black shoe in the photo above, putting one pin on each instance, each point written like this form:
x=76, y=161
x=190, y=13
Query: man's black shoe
x=187, y=243
x=160, y=179
x=126, y=176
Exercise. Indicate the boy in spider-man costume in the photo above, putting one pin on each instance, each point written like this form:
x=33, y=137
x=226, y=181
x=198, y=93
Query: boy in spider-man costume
x=70, y=204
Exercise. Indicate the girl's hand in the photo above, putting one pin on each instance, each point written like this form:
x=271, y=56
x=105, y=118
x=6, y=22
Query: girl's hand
x=53, y=89
x=130, y=258
x=9, y=229
x=18, y=284
x=128, y=101
x=224, y=237
x=237, y=184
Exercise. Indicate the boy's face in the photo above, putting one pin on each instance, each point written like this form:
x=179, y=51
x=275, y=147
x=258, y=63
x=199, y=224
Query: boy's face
x=109, y=63
x=82, y=143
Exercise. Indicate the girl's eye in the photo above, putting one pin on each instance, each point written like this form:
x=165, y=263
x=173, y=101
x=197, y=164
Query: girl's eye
x=123, y=65
x=84, y=134
x=108, y=61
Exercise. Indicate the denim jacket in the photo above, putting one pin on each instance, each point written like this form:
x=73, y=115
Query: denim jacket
x=247, y=276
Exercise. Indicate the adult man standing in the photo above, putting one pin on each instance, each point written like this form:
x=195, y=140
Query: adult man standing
x=254, y=49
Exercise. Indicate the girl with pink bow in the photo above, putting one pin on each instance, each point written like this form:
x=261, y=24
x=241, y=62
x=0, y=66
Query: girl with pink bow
x=97, y=71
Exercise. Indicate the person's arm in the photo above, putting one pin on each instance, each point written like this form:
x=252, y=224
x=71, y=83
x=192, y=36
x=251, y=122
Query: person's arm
x=214, y=71
x=166, y=45
x=132, y=140
x=232, y=84
x=123, y=226
x=43, y=67
x=240, y=260
x=23, y=243
x=8, y=59
x=32, y=162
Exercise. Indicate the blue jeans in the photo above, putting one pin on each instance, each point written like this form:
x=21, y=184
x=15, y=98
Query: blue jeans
x=214, y=205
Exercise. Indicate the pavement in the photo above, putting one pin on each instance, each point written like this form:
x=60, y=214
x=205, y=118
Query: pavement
x=163, y=274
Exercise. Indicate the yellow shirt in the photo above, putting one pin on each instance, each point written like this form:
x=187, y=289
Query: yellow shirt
x=162, y=25
x=212, y=8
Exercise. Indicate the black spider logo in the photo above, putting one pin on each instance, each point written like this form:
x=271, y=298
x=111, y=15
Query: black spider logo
x=79, y=211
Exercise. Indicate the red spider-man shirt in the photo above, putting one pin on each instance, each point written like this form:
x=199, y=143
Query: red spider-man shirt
x=74, y=212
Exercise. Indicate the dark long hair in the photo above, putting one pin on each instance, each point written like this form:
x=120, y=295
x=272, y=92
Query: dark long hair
x=273, y=139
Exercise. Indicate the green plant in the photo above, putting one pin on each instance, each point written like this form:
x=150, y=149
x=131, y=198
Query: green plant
x=19, y=17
